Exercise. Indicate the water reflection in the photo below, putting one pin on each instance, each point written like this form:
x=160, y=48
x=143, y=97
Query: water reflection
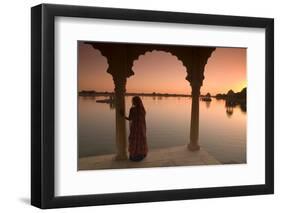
x=243, y=107
x=108, y=101
x=229, y=105
x=88, y=97
x=168, y=124
x=208, y=104
x=229, y=111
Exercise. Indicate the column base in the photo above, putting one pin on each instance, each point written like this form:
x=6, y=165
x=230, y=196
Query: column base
x=193, y=147
x=120, y=157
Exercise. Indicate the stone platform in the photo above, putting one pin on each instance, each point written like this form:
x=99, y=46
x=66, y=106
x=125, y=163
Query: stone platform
x=174, y=156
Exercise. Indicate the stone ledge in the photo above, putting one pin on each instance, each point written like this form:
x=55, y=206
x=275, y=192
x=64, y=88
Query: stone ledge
x=165, y=157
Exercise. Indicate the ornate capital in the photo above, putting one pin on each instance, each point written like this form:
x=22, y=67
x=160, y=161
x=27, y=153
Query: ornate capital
x=120, y=84
x=195, y=89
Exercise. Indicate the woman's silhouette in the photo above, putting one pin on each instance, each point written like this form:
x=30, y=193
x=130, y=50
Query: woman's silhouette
x=137, y=138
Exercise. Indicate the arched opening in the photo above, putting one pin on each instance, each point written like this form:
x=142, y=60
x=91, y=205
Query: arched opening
x=159, y=70
x=225, y=71
x=159, y=79
x=225, y=76
x=90, y=70
x=95, y=120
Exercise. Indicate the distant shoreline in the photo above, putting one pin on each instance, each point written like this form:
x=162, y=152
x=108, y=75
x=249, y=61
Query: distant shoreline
x=230, y=96
x=90, y=93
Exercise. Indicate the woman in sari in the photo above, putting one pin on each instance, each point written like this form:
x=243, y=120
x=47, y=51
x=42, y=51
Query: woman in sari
x=137, y=138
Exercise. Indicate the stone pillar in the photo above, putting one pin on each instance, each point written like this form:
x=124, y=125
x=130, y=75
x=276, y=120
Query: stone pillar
x=121, y=143
x=194, y=123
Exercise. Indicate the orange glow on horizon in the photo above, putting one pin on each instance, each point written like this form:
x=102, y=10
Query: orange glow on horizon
x=162, y=72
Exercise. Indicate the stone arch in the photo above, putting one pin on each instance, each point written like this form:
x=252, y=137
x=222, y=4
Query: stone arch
x=121, y=57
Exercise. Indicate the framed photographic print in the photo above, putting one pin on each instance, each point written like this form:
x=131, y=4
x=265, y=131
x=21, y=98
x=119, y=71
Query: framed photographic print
x=139, y=106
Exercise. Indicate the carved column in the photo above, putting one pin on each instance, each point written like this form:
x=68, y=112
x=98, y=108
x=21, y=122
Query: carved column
x=195, y=76
x=194, y=123
x=121, y=143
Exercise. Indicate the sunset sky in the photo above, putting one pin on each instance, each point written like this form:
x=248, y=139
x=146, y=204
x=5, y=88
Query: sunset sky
x=162, y=72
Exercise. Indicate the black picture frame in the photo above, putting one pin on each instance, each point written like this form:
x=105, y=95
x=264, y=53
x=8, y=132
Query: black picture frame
x=43, y=105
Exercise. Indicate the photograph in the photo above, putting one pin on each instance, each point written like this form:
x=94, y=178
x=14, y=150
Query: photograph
x=144, y=105
x=137, y=105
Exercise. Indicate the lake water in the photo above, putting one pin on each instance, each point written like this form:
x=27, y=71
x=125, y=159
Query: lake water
x=222, y=134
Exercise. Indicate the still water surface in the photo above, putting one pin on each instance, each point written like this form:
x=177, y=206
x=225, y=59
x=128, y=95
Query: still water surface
x=222, y=134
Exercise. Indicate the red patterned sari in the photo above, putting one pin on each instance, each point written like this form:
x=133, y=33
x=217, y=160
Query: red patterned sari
x=137, y=138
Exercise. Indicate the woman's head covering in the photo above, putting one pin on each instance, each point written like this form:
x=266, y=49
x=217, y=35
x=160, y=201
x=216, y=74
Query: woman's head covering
x=138, y=103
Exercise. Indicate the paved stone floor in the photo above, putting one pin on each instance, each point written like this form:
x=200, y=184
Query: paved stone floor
x=174, y=156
